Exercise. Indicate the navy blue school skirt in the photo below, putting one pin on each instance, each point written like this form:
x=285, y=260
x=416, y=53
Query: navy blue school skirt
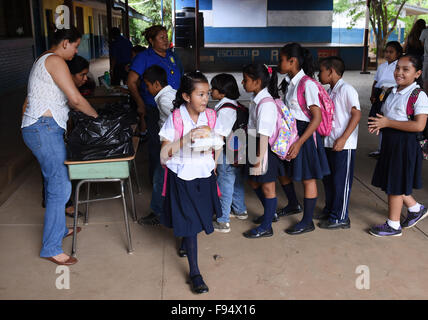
x=275, y=169
x=189, y=206
x=311, y=162
x=399, y=167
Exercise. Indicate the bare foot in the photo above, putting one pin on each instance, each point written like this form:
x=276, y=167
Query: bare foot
x=62, y=257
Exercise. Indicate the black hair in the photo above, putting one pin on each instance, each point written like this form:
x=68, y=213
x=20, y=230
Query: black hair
x=137, y=49
x=396, y=46
x=77, y=64
x=303, y=55
x=416, y=61
x=226, y=84
x=187, y=85
x=260, y=71
x=335, y=63
x=115, y=32
x=151, y=32
x=156, y=73
x=71, y=34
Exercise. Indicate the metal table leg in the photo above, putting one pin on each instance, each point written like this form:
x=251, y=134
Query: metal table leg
x=128, y=232
x=131, y=193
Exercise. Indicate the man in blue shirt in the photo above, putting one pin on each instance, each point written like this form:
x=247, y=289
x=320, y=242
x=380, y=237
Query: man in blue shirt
x=121, y=56
x=159, y=54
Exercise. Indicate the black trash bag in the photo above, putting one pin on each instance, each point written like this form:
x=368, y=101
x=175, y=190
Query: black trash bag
x=102, y=138
x=127, y=113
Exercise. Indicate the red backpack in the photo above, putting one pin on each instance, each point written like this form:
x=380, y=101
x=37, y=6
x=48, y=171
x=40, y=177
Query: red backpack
x=326, y=105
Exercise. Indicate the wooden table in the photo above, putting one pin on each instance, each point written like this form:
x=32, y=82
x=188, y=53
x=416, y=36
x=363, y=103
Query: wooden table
x=106, y=170
x=102, y=95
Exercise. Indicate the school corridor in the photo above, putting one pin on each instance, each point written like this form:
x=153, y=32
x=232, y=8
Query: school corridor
x=337, y=264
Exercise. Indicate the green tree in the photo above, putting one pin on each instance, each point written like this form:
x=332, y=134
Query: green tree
x=151, y=9
x=384, y=15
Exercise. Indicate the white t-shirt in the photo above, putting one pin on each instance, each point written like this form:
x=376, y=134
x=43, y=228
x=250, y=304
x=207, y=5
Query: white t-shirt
x=345, y=97
x=164, y=100
x=311, y=96
x=384, y=76
x=262, y=120
x=395, y=105
x=186, y=164
x=424, y=39
x=226, y=117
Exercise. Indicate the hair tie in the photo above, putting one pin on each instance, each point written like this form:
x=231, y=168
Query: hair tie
x=269, y=69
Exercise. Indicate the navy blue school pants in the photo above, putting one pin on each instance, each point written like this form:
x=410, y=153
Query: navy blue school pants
x=338, y=184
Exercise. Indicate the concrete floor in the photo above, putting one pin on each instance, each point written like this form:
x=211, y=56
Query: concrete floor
x=318, y=265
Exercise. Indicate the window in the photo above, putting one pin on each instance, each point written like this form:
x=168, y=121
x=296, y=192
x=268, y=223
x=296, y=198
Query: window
x=15, y=19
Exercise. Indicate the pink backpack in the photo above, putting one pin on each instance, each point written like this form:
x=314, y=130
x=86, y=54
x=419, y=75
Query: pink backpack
x=178, y=121
x=178, y=126
x=285, y=133
x=326, y=105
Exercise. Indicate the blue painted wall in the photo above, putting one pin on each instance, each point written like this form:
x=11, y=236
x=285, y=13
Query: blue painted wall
x=303, y=33
x=356, y=36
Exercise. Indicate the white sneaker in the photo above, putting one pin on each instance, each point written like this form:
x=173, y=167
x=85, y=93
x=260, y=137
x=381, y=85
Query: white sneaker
x=239, y=215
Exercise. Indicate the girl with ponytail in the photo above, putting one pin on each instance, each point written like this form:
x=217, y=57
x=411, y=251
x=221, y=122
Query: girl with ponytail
x=307, y=160
x=267, y=167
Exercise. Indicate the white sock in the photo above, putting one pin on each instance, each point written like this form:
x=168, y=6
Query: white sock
x=394, y=224
x=415, y=208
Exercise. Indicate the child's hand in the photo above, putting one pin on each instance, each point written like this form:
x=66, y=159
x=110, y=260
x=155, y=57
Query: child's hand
x=339, y=144
x=377, y=123
x=294, y=150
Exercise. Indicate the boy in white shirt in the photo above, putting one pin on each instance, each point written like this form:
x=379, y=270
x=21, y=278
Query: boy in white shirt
x=340, y=145
x=156, y=80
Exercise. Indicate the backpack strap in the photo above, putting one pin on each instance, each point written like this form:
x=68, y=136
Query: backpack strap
x=301, y=95
x=410, y=109
x=178, y=123
x=228, y=105
x=212, y=117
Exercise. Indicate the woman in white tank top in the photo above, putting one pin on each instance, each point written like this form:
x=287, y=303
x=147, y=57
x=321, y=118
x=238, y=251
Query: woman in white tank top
x=50, y=91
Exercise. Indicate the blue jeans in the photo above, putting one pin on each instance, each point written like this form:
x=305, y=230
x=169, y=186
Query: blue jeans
x=230, y=182
x=46, y=140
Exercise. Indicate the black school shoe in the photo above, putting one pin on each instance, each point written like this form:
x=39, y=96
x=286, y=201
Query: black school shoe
x=330, y=225
x=259, y=220
x=284, y=212
x=198, y=285
x=294, y=231
x=182, y=253
x=150, y=220
x=258, y=234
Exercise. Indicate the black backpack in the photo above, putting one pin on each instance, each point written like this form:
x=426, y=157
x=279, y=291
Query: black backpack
x=235, y=146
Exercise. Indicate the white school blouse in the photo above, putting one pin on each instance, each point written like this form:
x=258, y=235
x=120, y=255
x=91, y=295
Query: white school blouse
x=164, y=100
x=345, y=97
x=311, y=96
x=262, y=120
x=384, y=76
x=44, y=94
x=395, y=105
x=226, y=117
x=186, y=164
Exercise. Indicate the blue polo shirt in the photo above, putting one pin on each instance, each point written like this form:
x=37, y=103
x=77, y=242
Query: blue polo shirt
x=148, y=58
x=121, y=50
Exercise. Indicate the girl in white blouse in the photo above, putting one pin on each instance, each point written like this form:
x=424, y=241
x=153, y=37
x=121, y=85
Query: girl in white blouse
x=191, y=197
x=399, y=168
